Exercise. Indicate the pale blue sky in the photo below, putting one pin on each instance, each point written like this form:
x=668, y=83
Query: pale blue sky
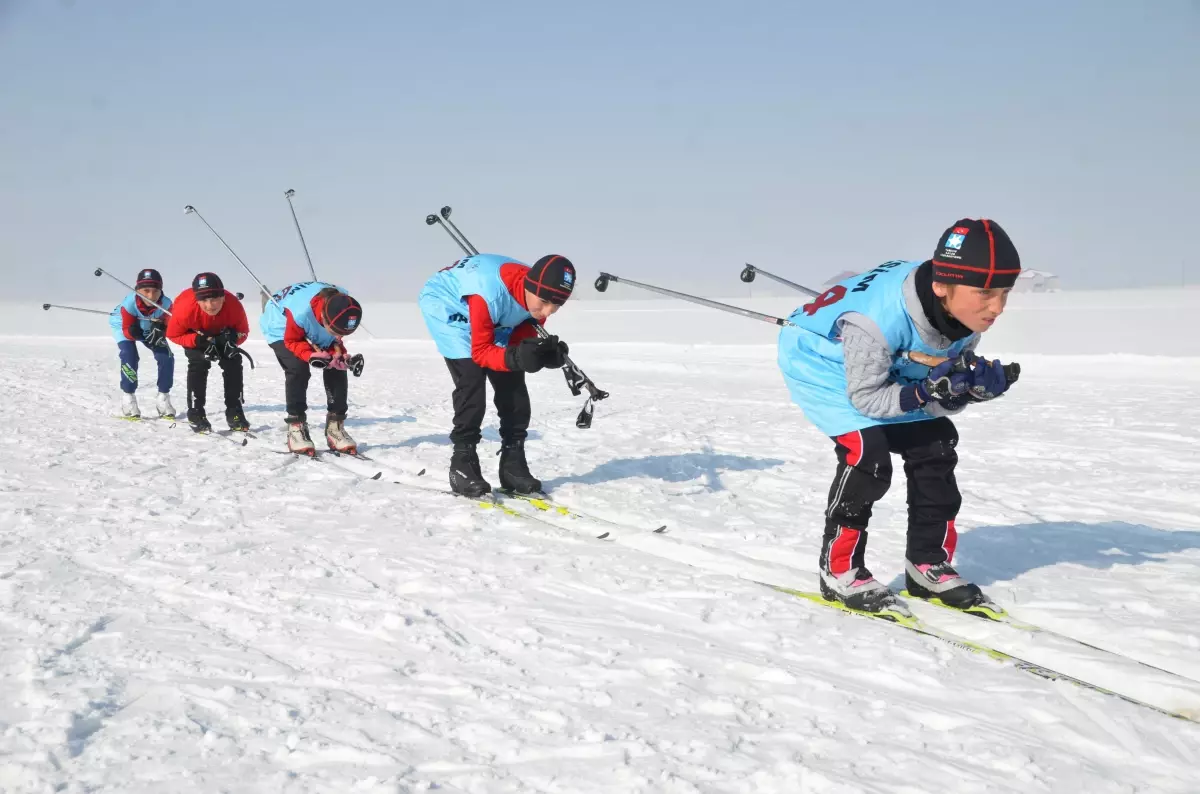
x=664, y=142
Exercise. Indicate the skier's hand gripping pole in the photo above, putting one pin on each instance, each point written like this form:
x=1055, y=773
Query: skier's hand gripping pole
x=1011, y=371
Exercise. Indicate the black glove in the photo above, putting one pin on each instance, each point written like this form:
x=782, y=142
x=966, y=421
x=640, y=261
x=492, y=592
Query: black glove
x=227, y=343
x=525, y=356
x=553, y=352
x=208, y=346
x=355, y=364
x=157, y=335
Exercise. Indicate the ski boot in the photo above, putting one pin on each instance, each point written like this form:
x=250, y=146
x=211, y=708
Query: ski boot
x=129, y=406
x=857, y=589
x=940, y=582
x=465, y=476
x=163, y=404
x=198, y=420
x=337, y=437
x=298, y=439
x=514, y=471
x=236, y=418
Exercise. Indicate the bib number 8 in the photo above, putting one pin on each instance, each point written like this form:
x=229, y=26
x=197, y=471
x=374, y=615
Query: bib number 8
x=827, y=298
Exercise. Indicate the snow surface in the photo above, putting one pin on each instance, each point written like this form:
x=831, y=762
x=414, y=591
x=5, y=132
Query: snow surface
x=181, y=614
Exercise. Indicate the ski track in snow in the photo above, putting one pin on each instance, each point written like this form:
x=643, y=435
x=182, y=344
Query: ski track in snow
x=177, y=613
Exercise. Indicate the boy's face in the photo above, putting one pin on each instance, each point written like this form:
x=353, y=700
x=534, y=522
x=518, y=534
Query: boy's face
x=211, y=306
x=975, y=307
x=540, y=309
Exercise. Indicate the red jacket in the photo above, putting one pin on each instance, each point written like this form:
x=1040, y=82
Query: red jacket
x=188, y=319
x=484, y=350
x=128, y=320
x=294, y=338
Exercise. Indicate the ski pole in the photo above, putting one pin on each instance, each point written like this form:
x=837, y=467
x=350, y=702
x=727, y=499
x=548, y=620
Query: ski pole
x=443, y=218
x=48, y=306
x=188, y=210
x=750, y=271
x=577, y=380
x=312, y=270
x=101, y=271
x=604, y=278
x=445, y=214
x=288, y=195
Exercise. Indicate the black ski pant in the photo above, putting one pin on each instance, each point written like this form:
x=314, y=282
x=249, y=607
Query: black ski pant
x=296, y=374
x=864, y=474
x=510, y=396
x=197, y=380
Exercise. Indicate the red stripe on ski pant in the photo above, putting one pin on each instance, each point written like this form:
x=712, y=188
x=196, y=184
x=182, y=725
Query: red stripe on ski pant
x=841, y=552
x=853, y=442
x=950, y=541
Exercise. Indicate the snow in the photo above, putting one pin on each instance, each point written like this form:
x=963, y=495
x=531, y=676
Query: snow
x=179, y=613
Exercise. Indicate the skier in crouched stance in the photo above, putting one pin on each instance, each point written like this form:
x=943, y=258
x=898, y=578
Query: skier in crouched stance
x=481, y=312
x=305, y=324
x=136, y=320
x=846, y=366
x=209, y=323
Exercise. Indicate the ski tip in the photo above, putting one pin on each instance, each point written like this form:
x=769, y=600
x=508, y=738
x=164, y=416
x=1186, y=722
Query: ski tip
x=603, y=536
x=245, y=441
x=422, y=471
x=661, y=530
x=378, y=474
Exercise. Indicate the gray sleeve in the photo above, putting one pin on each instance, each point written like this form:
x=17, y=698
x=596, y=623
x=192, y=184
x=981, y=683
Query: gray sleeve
x=868, y=361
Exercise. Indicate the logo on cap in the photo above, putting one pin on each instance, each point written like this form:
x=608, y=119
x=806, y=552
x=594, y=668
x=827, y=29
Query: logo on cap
x=351, y=322
x=956, y=239
x=204, y=281
x=147, y=274
x=568, y=277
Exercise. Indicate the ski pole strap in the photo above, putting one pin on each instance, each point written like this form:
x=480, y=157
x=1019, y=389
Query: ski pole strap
x=584, y=420
x=247, y=355
x=577, y=382
x=575, y=379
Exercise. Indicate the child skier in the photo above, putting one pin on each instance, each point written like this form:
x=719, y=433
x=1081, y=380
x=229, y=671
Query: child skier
x=305, y=325
x=136, y=320
x=846, y=367
x=481, y=313
x=209, y=323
